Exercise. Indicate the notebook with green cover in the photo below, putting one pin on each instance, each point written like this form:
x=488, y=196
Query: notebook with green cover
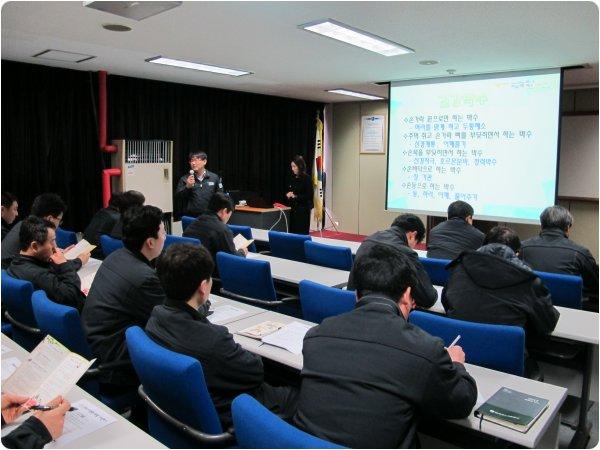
x=512, y=409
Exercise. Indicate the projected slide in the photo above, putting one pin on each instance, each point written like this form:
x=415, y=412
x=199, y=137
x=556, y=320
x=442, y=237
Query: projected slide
x=490, y=141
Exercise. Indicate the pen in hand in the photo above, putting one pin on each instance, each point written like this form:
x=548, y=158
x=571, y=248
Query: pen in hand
x=454, y=341
x=46, y=408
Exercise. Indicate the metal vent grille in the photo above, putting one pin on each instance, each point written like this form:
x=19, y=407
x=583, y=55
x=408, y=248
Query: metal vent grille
x=153, y=151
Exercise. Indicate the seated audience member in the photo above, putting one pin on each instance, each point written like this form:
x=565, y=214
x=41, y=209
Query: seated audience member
x=41, y=263
x=181, y=325
x=211, y=227
x=102, y=223
x=492, y=285
x=447, y=239
x=10, y=211
x=129, y=199
x=123, y=293
x=47, y=206
x=39, y=429
x=369, y=375
x=406, y=232
x=553, y=251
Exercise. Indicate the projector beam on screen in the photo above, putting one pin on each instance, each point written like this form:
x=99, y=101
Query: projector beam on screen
x=490, y=140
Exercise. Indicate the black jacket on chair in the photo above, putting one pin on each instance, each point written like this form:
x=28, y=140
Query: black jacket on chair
x=447, y=239
x=369, y=377
x=553, y=251
x=103, y=222
x=123, y=294
x=395, y=237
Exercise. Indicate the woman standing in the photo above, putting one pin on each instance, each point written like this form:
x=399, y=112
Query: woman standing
x=300, y=197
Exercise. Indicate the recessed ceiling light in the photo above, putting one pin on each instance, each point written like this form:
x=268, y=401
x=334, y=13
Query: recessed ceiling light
x=132, y=10
x=350, y=35
x=428, y=62
x=197, y=66
x=115, y=27
x=59, y=55
x=355, y=94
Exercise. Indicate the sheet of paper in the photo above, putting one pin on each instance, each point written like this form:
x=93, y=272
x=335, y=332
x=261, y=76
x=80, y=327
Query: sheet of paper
x=439, y=290
x=241, y=242
x=6, y=349
x=85, y=420
x=261, y=330
x=86, y=282
x=289, y=337
x=9, y=365
x=225, y=312
x=82, y=246
x=62, y=380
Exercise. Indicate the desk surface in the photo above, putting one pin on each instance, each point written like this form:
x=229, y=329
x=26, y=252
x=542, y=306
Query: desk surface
x=293, y=271
x=119, y=434
x=488, y=382
x=217, y=301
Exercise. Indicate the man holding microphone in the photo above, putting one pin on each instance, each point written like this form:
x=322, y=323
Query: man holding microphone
x=196, y=189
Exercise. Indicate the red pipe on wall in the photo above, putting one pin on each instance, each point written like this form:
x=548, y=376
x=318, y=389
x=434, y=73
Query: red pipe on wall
x=102, y=138
x=106, y=190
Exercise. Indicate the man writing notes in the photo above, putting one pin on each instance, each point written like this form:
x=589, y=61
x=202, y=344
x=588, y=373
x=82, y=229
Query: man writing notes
x=196, y=189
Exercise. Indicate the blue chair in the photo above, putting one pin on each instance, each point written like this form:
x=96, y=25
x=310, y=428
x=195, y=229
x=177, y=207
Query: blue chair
x=64, y=324
x=109, y=244
x=244, y=231
x=257, y=427
x=248, y=280
x=64, y=238
x=186, y=221
x=6, y=329
x=171, y=239
x=16, y=299
x=436, y=269
x=566, y=290
x=181, y=413
x=498, y=347
x=288, y=245
x=319, y=302
x=328, y=255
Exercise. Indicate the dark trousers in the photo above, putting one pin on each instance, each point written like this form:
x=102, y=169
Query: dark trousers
x=300, y=219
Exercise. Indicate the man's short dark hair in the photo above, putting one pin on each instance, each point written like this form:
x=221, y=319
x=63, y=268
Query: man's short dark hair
x=556, y=217
x=181, y=268
x=8, y=199
x=410, y=222
x=130, y=199
x=218, y=201
x=460, y=209
x=199, y=154
x=33, y=229
x=48, y=204
x=383, y=270
x=503, y=235
x=139, y=224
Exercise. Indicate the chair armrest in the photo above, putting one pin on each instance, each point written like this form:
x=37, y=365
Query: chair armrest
x=341, y=285
x=256, y=301
x=96, y=371
x=289, y=299
x=14, y=322
x=189, y=431
x=265, y=252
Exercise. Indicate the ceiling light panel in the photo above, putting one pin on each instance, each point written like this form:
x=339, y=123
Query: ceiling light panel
x=197, y=66
x=132, y=10
x=355, y=94
x=59, y=55
x=350, y=35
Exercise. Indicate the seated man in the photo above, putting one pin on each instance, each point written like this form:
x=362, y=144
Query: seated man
x=129, y=199
x=211, y=227
x=102, y=223
x=46, y=267
x=406, y=232
x=553, y=251
x=181, y=325
x=47, y=206
x=369, y=375
x=123, y=294
x=492, y=285
x=447, y=239
x=10, y=211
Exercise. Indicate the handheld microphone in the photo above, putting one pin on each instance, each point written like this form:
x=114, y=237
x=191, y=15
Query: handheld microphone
x=191, y=172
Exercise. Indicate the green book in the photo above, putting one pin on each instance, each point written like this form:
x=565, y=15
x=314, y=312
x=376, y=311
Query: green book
x=512, y=409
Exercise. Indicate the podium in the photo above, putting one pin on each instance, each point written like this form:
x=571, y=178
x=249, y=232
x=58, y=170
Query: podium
x=263, y=218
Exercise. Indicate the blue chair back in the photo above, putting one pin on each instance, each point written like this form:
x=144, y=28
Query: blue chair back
x=498, y=347
x=248, y=277
x=64, y=238
x=186, y=221
x=328, y=255
x=110, y=244
x=244, y=231
x=257, y=427
x=566, y=290
x=436, y=269
x=170, y=240
x=288, y=245
x=175, y=382
x=319, y=302
x=16, y=298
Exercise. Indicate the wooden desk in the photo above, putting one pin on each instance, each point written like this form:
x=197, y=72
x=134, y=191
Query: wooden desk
x=261, y=217
x=119, y=434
